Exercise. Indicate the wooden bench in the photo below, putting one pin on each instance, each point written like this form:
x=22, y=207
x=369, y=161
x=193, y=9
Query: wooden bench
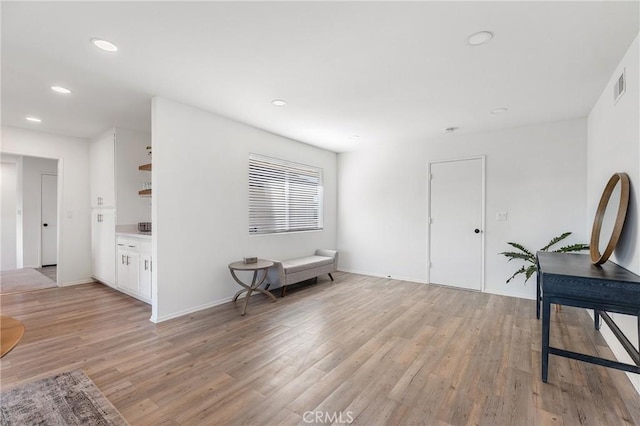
x=286, y=272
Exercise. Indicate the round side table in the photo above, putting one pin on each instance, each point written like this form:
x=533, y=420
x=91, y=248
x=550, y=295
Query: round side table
x=261, y=265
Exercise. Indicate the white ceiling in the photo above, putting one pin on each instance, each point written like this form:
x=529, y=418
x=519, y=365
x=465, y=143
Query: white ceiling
x=384, y=71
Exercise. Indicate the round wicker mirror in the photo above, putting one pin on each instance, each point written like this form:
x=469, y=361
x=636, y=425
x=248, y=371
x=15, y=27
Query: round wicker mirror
x=607, y=225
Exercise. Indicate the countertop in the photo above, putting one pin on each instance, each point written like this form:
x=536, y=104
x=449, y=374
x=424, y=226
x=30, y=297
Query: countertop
x=131, y=231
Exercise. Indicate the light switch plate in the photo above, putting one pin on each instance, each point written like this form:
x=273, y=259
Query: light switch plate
x=501, y=216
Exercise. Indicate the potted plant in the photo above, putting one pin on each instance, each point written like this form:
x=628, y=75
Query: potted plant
x=530, y=265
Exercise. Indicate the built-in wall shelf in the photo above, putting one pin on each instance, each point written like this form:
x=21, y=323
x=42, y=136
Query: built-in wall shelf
x=145, y=192
x=146, y=167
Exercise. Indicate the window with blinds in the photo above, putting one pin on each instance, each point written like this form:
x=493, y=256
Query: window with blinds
x=283, y=196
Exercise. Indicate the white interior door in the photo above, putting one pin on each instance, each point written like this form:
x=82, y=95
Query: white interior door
x=456, y=205
x=49, y=219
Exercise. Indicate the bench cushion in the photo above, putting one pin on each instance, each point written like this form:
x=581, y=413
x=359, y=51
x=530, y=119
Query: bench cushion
x=303, y=263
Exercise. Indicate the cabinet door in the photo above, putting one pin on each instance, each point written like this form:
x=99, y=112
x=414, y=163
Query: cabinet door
x=102, y=167
x=103, y=234
x=95, y=243
x=123, y=268
x=145, y=276
x=134, y=271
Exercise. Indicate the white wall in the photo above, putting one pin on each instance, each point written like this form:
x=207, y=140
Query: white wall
x=614, y=146
x=535, y=173
x=73, y=195
x=200, y=205
x=32, y=170
x=8, y=191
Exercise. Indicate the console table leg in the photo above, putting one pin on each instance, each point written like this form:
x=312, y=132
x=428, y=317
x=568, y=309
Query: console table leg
x=538, y=287
x=596, y=320
x=546, y=319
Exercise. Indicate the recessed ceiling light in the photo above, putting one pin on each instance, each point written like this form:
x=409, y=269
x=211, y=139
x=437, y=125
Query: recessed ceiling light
x=34, y=119
x=354, y=137
x=499, y=110
x=450, y=129
x=105, y=45
x=60, y=89
x=279, y=102
x=479, y=38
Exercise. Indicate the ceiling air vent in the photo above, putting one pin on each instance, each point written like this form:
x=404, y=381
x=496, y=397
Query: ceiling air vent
x=619, y=87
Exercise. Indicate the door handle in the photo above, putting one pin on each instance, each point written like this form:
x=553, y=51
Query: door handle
x=146, y=264
x=477, y=231
x=45, y=224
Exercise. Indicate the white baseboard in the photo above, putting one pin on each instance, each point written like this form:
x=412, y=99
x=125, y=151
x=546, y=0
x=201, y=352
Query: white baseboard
x=517, y=296
x=77, y=282
x=190, y=310
x=390, y=277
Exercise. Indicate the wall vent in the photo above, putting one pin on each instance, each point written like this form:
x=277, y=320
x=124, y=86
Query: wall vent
x=619, y=87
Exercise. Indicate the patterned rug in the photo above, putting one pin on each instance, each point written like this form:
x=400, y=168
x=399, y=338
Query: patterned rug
x=65, y=399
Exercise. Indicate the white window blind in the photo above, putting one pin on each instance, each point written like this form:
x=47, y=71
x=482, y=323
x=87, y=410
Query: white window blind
x=283, y=196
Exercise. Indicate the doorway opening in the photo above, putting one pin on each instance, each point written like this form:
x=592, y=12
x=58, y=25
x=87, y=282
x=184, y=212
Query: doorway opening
x=30, y=221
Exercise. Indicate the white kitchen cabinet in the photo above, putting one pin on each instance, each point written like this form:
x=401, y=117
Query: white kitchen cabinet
x=145, y=275
x=134, y=267
x=103, y=243
x=128, y=269
x=102, y=171
x=115, y=181
x=115, y=177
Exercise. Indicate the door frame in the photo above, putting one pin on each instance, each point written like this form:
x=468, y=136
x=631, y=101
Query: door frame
x=483, y=159
x=41, y=250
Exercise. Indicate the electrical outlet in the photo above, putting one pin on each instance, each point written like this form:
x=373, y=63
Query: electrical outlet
x=501, y=216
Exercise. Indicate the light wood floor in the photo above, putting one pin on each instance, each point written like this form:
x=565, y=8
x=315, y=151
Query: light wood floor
x=26, y=279
x=373, y=350
x=50, y=272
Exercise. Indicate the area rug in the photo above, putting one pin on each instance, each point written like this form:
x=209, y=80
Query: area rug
x=19, y=280
x=11, y=331
x=64, y=399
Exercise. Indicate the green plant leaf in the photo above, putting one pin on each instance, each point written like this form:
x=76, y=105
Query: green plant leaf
x=555, y=241
x=519, y=271
x=528, y=256
x=572, y=248
x=515, y=255
x=530, y=271
x=521, y=248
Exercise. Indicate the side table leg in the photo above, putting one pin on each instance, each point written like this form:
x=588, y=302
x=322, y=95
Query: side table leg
x=546, y=318
x=238, y=294
x=596, y=319
x=248, y=296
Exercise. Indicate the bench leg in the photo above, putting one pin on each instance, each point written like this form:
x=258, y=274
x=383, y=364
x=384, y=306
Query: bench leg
x=330, y=277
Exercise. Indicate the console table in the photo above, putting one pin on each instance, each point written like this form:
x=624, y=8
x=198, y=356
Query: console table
x=572, y=280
